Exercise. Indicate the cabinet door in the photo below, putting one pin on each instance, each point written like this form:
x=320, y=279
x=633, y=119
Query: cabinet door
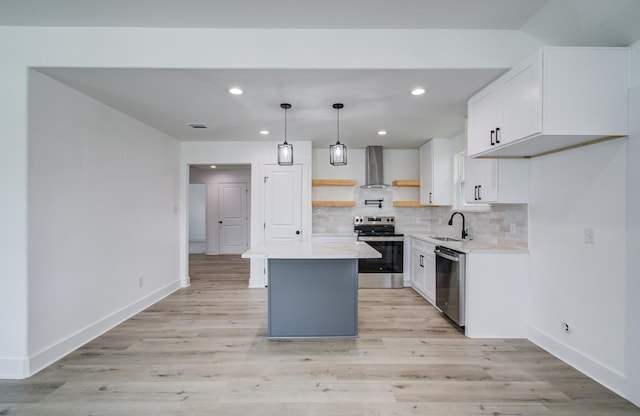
x=436, y=172
x=417, y=273
x=429, y=268
x=521, y=101
x=483, y=111
x=481, y=181
x=426, y=174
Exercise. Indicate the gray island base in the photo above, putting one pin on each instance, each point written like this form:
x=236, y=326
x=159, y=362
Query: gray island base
x=313, y=287
x=313, y=298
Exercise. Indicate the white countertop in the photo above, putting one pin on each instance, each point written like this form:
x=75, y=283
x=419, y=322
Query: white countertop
x=314, y=250
x=468, y=246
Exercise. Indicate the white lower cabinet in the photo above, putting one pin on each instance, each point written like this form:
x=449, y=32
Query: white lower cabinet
x=496, y=300
x=423, y=269
x=495, y=288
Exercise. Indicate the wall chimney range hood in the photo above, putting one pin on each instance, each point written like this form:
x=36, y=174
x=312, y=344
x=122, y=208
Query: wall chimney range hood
x=373, y=168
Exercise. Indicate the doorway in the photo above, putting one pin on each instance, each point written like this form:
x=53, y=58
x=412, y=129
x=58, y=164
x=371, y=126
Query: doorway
x=226, y=207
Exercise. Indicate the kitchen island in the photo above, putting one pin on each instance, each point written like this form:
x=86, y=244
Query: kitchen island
x=313, y=288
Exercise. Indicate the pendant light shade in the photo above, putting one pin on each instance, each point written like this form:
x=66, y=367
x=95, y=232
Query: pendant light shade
x=338, y=151
x=285, y=150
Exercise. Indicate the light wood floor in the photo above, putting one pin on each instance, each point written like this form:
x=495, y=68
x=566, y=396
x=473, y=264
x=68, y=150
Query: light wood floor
x=203, y=351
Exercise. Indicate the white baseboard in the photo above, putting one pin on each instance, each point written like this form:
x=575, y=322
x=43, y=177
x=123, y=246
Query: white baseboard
x=599, y=372
x=53, y=353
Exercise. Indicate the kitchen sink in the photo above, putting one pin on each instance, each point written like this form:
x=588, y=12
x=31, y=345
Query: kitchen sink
x=446, y=238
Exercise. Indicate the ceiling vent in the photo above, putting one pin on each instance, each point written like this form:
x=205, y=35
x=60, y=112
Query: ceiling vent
x=197, y=125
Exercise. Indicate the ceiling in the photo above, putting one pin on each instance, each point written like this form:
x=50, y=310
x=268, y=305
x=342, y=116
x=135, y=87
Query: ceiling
x=168, y=99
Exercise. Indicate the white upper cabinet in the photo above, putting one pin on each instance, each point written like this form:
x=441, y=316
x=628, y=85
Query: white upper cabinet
x=557, y=98
x=481, y=127
x=436, y=173
x=496, y=181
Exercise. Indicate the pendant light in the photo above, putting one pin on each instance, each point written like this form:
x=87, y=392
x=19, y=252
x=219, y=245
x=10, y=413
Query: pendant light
x=285, y=150
x=338, y=151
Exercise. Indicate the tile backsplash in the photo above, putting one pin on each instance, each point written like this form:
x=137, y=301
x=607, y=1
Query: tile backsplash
x=491, y=226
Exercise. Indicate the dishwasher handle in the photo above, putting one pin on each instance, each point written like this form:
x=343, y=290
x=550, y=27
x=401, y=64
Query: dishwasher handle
x=446, y=255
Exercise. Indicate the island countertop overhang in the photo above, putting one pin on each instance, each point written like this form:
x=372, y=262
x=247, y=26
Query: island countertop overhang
x=313, y=250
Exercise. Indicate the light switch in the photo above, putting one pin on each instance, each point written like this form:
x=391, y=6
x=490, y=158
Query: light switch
x=589, y=235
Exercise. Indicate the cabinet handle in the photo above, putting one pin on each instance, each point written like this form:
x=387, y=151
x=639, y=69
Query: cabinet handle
x=497, y=135
x=493, y=143
x=421, y=260
x=479, y=196
x=430, y=199
x=475, y=193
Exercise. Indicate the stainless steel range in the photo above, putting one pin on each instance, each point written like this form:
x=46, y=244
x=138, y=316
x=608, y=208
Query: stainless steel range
x=380, y=233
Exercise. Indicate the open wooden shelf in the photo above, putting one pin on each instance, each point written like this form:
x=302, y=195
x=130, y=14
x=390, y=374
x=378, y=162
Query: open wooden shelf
x=333, y=203
x=406, y=204
x=406, y=182
x=333, y=182
x=412, y=183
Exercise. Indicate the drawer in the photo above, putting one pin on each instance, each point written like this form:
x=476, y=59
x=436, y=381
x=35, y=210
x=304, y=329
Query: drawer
x=422, y=245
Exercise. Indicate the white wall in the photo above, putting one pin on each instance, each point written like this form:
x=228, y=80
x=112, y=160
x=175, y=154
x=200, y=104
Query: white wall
x=632, y=328
x=13, y=221
x=571, y=281
x=398, y=164
x=103, y=194
x=197, y=217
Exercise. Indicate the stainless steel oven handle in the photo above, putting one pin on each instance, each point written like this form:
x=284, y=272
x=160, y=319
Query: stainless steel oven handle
x=377, y=238
x=446, y=256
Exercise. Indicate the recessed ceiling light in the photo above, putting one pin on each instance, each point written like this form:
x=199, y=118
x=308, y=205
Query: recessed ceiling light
x=264, y=132
x=418, y=91
x=197, y=125
x=382, y=132
x=213, y=166
x=235, y=91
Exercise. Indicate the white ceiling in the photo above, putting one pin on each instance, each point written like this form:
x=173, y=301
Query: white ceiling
x=374, y=99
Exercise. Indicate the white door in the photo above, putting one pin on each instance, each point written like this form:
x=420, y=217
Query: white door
x=283, y=203
x=233, y=219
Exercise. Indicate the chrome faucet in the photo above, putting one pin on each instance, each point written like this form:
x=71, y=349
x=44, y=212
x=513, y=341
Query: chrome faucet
x=464, y=231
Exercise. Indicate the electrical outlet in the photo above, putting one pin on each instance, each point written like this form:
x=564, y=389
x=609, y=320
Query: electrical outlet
x=589, y=235
x=140, y=281
x=512, y=228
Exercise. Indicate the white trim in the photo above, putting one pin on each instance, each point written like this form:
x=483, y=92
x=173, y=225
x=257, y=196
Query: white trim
x=48, y=356
x=599, y=372
x=185, y=281
x=14, y=368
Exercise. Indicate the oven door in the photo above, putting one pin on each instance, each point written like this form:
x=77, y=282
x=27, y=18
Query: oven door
x=391, y=260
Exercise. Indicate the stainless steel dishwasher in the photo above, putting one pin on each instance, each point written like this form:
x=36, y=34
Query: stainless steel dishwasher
x=450, y=283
